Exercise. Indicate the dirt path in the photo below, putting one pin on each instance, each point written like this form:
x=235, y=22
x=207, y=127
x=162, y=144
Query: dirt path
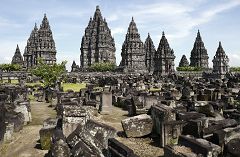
x=25, y=142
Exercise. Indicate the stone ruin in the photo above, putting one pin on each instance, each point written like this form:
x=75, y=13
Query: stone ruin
x=184, y=116
x=15, y=110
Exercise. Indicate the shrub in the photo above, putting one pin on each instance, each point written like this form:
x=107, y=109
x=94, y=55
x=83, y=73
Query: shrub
x=189, y=68
x=10, y=67
x=235, y=69
x=102, y=67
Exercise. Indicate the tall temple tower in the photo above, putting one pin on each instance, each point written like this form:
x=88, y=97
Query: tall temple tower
x=220, y=61
x=40, y=44
x=164, y=58
x=97, y=43
x=133, y=52
x=17, y=58
x=199, y=56
x=31, y=48
x=149, y=53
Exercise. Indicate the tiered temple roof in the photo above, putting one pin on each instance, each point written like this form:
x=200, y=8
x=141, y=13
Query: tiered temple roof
x=149, y=53
x=220, y=61
x=164, y=58
x=97, y=43
x=40, y=44
x=199, y=56
x=133, y=52
x=17, y=58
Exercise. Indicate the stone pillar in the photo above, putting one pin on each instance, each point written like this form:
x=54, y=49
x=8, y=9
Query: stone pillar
x=106, y=101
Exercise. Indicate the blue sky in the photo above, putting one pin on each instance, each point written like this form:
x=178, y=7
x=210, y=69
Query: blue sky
x=217, y=20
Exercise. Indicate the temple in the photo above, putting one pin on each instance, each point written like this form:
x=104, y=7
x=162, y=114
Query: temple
x=97, y=43
x=220, y=61
x=199, y=56
x=40, y=45
x=149, y=53
x=133, y=52
x=17, y=58
x=183, y=62
x=164, y=58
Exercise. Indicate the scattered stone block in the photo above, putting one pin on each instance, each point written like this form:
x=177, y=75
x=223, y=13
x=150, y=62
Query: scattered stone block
x=118, y=149
x=45, y=137
x=59, y=147
x=46, y=133
x=178, y=151
x=137, y=126
x=200, y=146
x=24, y=108
x=222, y=137
x=233, y=148
x=92, y=139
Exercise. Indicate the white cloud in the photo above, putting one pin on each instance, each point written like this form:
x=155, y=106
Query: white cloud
x=177, y=17
x=111, y=18
x=234, y=58
x=8, y=24
x=117, y=30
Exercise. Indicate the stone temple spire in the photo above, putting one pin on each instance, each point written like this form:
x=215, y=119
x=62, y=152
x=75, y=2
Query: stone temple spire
x=45, y=23
x=149, y=53
x=97, y=43
x=31, y=48
x=40, y=44
x=183, y=62
x=199, y=56
x=17, y=58
x=164, y=58
x=220, y=61
x=46, y=45
x=133, y=52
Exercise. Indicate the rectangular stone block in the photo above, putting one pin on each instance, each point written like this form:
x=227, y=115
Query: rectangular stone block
x=118, y=149
x=137, y=126
x=45, y=137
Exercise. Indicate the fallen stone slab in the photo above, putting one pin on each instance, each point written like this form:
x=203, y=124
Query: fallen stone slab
x=59, y=147
x=118, y=149
x=200, y=146
x=233, y=148
x=47, y=132
x=100, y=131
x=222, y=137
x=45, y=137
x=137, y=126
x=91, y=139
x=178, y=151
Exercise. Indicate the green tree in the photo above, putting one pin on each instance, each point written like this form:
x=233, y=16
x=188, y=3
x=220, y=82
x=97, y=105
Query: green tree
x=10, y=67
x=189, y=68
x=235, y=69
x=49, y=73
x=102, y=67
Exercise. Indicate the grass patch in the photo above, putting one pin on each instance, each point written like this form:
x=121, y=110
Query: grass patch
x=15, y=81
x=154, y=90
x=34, y=84
x=73, y=86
